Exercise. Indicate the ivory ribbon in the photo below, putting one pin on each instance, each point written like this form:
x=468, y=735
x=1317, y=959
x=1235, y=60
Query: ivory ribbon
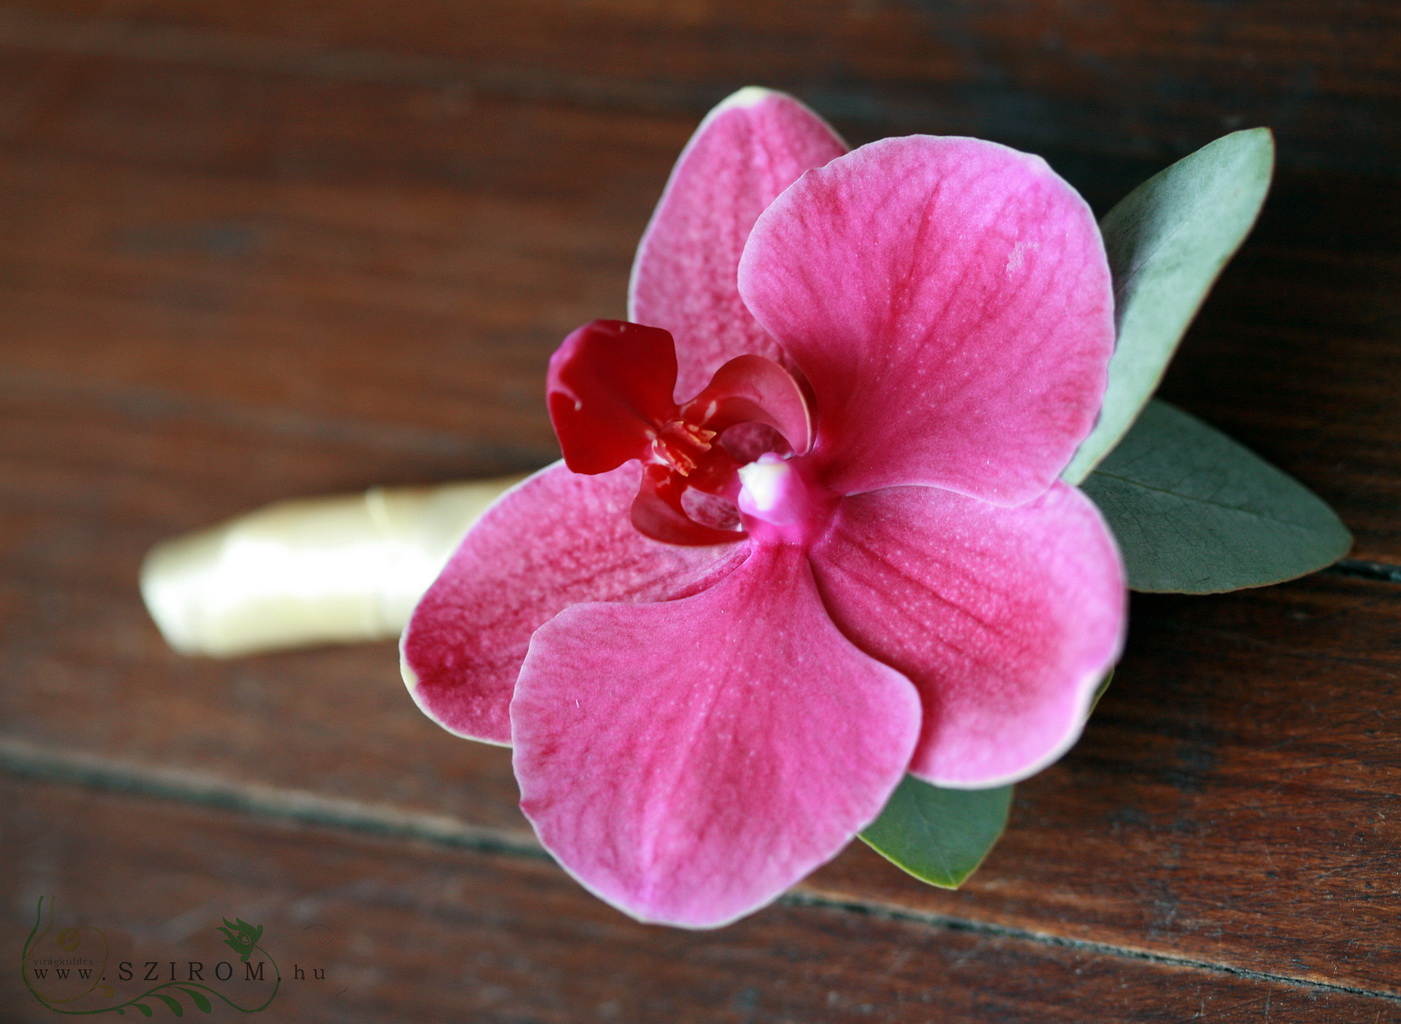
x=322, y=570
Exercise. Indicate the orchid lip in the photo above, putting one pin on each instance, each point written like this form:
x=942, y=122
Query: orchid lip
x=610, y=398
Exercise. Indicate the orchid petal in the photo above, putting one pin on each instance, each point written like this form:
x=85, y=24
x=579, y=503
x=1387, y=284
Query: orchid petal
x=688, y=761
x=609, y=388
x=1006, y=619
x=747, y=150
x=950, y=302
x=752, y=389
x=557, y=539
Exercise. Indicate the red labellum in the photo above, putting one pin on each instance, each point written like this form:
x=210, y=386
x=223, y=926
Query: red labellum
x=610, y=394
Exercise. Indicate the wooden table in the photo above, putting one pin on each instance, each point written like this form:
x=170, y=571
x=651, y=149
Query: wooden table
x=265, y=249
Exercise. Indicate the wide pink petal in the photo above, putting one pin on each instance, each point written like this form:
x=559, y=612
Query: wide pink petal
x=1005, y=618
x=949, y=300
x=557, y=539
x=688, y=761
x=747, y=150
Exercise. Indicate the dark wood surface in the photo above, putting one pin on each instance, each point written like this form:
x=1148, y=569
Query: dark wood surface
x=406, y=931
x=252, y=251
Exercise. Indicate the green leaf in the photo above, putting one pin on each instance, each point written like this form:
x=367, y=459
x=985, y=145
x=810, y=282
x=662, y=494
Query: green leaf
x=1167, y=242
x=939, y=835
x=1196, y=513
x=143, y=1008
x=171, y=1002
x=1103, y=687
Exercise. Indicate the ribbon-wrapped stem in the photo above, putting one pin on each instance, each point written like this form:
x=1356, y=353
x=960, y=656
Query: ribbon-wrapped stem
x=314, y=571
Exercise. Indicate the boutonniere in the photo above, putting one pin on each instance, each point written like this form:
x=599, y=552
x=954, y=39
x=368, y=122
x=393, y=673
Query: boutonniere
x=815, y=564
x=848, y=511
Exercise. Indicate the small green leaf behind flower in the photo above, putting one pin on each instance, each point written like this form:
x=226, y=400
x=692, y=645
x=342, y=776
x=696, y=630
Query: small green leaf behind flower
x=1196, y=513
x=939, y=835
x=1167, y=241
x=1103, y=688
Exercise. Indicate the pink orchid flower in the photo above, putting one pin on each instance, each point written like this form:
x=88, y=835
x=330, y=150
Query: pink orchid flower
x=820, y=542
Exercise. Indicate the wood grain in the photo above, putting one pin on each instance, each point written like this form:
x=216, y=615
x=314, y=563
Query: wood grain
x=469, y=935
x=1127, y=76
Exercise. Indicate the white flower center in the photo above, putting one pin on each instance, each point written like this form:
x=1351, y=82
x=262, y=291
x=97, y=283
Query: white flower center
x=770, y=490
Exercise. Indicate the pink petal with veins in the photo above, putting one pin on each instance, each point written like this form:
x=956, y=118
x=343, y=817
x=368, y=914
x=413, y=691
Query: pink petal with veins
x=557, y=539
x=747, y=150
x=949, y=301
x=688, y=761
x=1005, y=619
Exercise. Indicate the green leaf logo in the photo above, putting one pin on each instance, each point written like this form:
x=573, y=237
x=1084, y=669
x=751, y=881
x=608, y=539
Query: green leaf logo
x=242, y=936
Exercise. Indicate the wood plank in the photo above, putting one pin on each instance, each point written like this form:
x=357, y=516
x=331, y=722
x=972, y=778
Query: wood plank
x=321, y=253
x=412, y=932
x=1132, y=75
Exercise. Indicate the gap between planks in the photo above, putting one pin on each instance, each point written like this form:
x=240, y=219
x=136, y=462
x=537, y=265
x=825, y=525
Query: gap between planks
x=1382, y=572
x=30, y=761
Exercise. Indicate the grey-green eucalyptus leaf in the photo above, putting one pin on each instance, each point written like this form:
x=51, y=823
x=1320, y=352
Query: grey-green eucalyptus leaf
x=1167, y=242
x=939, y=835
x=1196, y=513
